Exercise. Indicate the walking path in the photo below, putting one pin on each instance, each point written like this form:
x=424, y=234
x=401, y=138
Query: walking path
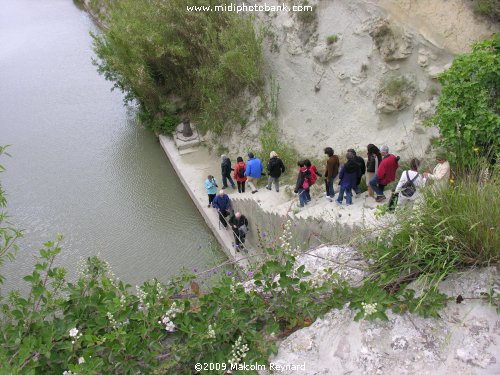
x=193, y=168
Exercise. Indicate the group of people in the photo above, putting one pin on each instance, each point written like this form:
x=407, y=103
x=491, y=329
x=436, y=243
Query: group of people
x=379, y=170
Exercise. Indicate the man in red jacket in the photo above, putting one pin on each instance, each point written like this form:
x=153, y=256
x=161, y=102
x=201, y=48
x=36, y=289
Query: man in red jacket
x=386, y=173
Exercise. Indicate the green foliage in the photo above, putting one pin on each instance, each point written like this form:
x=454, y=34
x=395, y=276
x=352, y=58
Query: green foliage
x=154, y=49
x=271, y=139
x=330, y=39
x=396, y=86
x=468, y=111
x=307, y=14
x=450, y=229
x=487, y=8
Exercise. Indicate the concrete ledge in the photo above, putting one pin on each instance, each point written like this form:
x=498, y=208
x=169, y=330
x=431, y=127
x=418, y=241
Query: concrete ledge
x=192, y=169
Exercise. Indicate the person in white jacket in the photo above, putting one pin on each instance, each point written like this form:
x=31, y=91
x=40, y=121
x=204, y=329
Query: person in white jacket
x=409, y=191
x=441, y=173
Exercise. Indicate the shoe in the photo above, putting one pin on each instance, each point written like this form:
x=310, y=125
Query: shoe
x=329, y=199
x=268, y=188
x=339, y=203
x=277, y=190
x=253, y=192
x=380, y=198
x=209, y=205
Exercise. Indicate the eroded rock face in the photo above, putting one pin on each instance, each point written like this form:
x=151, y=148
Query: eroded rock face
x=391, y=41
x=396, y=94
x=465, y=340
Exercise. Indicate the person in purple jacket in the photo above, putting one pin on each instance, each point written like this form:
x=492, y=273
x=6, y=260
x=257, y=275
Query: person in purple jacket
x=348, y=177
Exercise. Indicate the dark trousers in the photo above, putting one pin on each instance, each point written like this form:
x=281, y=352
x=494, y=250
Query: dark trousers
x=241, y=186
x=239, y=236
x=329, y=187
x=211, y=198
x=377, y=186
x=225, y=179
x=222, y=217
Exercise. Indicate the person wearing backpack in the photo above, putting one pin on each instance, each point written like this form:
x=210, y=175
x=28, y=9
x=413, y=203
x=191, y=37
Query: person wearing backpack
x=409, y=183
x=275, y=168
x=374, y=159
x=303, y=183
x=348, y=177
x=239, y=174
x=314, y=176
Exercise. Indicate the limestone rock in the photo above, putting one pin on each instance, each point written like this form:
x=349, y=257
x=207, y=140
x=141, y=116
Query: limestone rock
x=391, y=41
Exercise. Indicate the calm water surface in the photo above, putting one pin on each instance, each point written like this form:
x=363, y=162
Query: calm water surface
x=80, y=165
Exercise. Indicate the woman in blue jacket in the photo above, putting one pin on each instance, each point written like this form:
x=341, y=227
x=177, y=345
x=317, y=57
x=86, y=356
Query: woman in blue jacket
x=348, y=177
x=211, y=188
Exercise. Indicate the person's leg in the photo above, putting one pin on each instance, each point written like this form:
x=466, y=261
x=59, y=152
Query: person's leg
x=251, y=182
x=277, y=184
x=239, y=186
x=374, y=183
x=340, y=198
x=269, y=183
x=237, y=241
x=357, y=190
x=210, y=199
x=243, y=186
x=369, y=176
x=224, y=182
x=331, y=191
x=308, y=195
x=302, y=197
x=231, y=181
x=348, y=198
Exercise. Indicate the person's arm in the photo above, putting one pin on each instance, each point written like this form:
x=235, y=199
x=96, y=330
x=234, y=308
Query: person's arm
x=248, y=169
x=215, y=203
x=439, y=173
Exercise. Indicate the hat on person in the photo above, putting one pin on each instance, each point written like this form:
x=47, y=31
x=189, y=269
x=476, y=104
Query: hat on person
x=384, y=148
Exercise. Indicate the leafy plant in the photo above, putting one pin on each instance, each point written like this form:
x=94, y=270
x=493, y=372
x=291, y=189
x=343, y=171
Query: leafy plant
x=330, y=39
x=152, y=50
x=468, y=111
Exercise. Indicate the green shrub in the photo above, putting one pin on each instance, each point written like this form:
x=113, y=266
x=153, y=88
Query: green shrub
x=396, y=86
x=330, y=39
x=306, y=15
x=153, y=49
x=271, y=139
x=469, y=105
x=487, y=8
x=451, y=229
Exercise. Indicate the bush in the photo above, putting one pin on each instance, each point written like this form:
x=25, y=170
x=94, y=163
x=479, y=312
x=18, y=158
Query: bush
x=154, y=49
x=271, y=139
x=467, y=114
x=450, y=229
x=330, y=39
x=487, y=8
x=306, y=15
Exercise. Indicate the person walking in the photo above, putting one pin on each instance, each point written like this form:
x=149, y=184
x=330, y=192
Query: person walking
x=331, y=172
x=303, y=183
x=239, y=225
x=441, y=173
x=222, y=204
x=211, y=188
x=314, y=176
x=225, y=166
x=374, y=159
x=348, y=178
x=386, y=173
x=275, y=168
x=410, y=181
x=239, y=174
x=253, y=171
x=361, y=169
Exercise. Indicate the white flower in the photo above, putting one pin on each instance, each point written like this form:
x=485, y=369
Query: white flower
x=73, y=332
x=67, y=372
x=369, y=308
x=211, y=331
x=448, y=238
x=81, y=360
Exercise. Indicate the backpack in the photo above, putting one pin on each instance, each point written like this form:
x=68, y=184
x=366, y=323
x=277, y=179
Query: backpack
x=307, y=180
x=409, y=188
x=313, y=174
x=241, y=171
